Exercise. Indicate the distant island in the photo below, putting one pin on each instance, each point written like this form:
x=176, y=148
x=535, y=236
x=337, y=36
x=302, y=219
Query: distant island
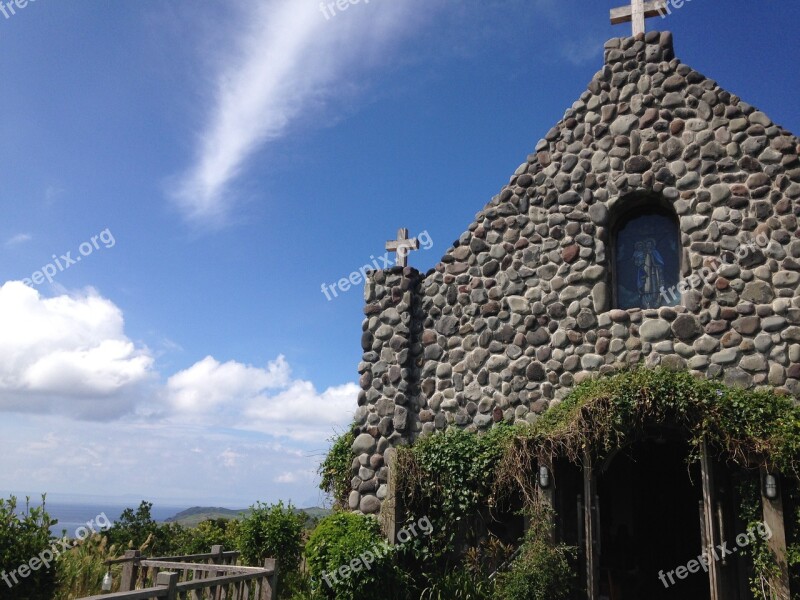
x=191, y=517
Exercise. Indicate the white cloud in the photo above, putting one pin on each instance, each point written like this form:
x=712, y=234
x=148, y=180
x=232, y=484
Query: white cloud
x=301, y=412
x=67, y=354
x=77, y=383
x=230, y=458
x=18, y=239
x=152, y=461
x=264, y=400
x=287, y=59
x=52, y=194
x=208, y=383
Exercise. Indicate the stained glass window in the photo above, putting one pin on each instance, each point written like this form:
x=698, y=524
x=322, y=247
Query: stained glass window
x=647, y=262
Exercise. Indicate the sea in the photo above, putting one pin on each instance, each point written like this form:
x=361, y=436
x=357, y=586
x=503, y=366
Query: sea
x=75, y=514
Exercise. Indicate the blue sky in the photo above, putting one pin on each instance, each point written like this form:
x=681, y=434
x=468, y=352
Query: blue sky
x=229, y=159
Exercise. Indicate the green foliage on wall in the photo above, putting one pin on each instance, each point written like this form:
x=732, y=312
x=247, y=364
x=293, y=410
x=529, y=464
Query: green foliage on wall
x=745, y=427
x=544, y=570
x=335, y=470
x=454, y=475
x=449, y=477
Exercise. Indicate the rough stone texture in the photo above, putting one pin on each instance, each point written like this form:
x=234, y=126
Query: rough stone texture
x=519, y=309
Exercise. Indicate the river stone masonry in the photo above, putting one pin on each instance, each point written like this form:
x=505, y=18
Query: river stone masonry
x=519, y=309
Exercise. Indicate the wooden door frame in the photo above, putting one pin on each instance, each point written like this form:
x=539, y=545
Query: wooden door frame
x=591, y=528
x=772, y=510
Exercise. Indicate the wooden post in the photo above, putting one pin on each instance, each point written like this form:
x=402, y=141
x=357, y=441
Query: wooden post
x=390, y=508
x=592, y=565
x=216, y=559
x=269, y=586
x=169, y=581
x=707, y=476
x=773, y=519
x=130, y=570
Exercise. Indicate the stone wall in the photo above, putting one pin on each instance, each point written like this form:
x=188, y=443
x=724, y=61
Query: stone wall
x=519, y=309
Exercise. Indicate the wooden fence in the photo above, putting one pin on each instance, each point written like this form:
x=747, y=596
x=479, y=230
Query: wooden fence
x=213, y=576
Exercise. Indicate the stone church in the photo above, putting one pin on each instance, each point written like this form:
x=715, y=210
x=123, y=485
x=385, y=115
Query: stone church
x=656, y=223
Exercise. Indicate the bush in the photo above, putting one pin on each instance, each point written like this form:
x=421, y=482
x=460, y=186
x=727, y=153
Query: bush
x=274, y=532
x=543, y=570
x=208, y=533
x=460, y=584
x=449, y=476
x=24, y=537
x=338, y=542
x=335, y=470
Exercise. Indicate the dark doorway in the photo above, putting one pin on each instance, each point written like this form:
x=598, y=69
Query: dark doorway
x=649, y=516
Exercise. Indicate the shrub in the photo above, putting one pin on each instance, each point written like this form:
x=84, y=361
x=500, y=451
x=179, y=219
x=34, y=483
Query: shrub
x=212, y=532
x=344, y=539
x=274, y=532
x=543, y=570
x=459, y=584
x=24, y=537
x=335, y=469
x=449, y=476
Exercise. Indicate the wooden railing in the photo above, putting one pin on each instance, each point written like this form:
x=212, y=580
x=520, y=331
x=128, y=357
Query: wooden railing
x=213, y=576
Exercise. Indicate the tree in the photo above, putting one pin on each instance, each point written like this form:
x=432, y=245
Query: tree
x=25, y=541
x=274, y=532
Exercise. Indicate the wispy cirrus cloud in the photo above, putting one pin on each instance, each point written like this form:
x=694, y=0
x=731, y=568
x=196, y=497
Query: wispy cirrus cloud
x=287, y=60
x=18, y=239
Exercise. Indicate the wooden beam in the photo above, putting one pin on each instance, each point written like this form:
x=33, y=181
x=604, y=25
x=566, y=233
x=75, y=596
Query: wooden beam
x=707, y=477
x=391, y=508
x=590, y=527
x=624, y=14
x=269, y=586
x=130, y=570
x=169, y=581
x=773, y=519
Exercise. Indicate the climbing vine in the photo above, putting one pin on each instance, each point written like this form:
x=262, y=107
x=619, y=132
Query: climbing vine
x=335, y=470
x=456, y=476
x=449, y=477
x=765, y=567
x=750, y=428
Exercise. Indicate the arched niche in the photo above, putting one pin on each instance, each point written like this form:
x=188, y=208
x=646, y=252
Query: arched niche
x=645, y=253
